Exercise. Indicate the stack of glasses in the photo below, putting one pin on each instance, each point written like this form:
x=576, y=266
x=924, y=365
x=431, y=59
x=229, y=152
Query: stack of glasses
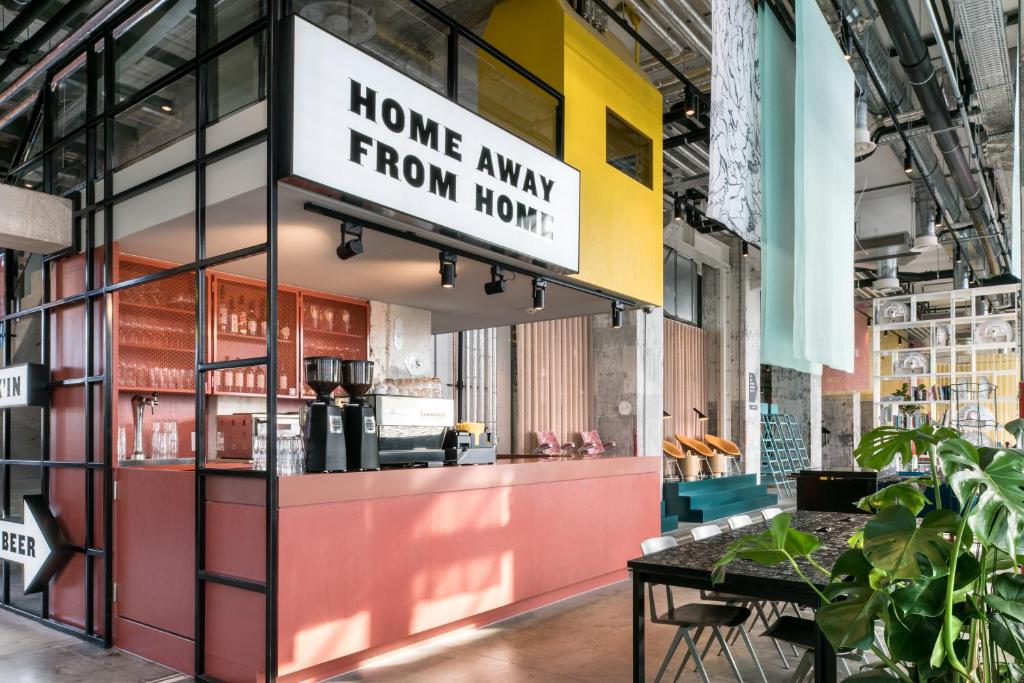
x=291, y=455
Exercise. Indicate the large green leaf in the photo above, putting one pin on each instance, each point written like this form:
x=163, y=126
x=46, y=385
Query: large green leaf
x=1016, y=427
x=907, y=493
x=1007, y=596
x=893, y=541
x=770, y=547
x=996, y=478
x=1007, y=634
x=911, y=638
x=848, y=620
x=879, y=447
x=927, y=596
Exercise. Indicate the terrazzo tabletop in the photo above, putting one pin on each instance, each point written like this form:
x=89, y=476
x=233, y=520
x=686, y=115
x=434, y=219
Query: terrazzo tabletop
x=694, y=561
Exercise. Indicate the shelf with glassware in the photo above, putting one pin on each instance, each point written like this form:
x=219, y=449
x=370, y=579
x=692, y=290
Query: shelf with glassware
x=238, y=330
x=333, y=325
x=154, y=355
x=926, y=345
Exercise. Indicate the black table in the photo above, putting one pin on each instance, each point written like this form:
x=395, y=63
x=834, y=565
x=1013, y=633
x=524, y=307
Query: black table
x=689, y=566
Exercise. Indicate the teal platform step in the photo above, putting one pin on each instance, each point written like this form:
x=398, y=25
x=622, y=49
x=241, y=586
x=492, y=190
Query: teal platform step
x=668, y=522
x=708, y=499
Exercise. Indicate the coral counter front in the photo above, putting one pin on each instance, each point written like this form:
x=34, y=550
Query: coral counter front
x=370, y=562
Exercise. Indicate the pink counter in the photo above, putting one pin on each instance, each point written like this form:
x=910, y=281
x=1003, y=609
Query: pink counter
x=373, y=561
x=370, y=562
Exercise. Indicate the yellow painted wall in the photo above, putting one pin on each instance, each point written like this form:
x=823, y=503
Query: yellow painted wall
x=620, y=218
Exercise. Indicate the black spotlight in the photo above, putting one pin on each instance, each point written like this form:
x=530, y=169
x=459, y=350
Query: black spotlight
x=692, y=102
x=677, y=209
x=447, y=271
x=540, y=293
x=847, y=43
x=617, y=307
x=745, y=250
x=908, y=162
x=498, y=283
x=351, y=241
x=937, y=219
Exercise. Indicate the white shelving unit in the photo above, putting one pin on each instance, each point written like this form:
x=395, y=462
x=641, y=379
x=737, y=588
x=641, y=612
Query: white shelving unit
x=965, y=359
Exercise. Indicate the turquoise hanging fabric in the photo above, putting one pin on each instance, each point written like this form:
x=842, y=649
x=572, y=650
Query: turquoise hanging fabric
x=777, y=60
x=824, y=195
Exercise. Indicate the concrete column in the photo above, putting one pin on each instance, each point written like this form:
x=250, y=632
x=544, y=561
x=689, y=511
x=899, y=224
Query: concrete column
x=742, y=338
x=628, y=367
x=799, y=394
x=841, y=415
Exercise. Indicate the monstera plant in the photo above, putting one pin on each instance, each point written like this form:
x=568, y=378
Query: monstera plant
x=946, y=590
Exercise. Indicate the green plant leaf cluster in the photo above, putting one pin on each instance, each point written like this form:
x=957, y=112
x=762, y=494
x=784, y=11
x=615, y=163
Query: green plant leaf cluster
x=946, y=589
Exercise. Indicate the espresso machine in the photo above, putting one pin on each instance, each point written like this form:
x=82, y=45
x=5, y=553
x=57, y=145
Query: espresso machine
x=360, y=417
x=324, y=429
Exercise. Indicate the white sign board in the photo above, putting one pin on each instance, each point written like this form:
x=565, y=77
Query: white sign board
x=37, y=544
x=23, y=385
x=360, y=127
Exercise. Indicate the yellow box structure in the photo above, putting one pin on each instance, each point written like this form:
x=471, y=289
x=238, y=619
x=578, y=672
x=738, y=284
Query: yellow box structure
x=620, y=217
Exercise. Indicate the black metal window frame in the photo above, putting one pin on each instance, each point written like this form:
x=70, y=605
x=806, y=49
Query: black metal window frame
x=92, y=214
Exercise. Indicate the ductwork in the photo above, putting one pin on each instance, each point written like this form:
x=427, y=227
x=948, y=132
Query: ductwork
x=862, y=142
x=924, y=220
x=913, y=53
x=658, y=14
x=887, y=275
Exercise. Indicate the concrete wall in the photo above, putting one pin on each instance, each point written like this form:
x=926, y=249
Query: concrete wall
x=799, y=394
x=417, y=342
x=742, y=335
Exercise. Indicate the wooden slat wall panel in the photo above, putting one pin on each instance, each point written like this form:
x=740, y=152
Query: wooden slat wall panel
x=685, y=382
x=553, y=361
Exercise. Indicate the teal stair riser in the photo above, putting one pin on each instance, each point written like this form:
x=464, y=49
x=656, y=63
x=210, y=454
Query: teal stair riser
x=709, y=499
x=737, y=508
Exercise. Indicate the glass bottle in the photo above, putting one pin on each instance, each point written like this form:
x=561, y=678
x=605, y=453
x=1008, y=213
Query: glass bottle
x=229, y=379
x=222, y=315
x=263, y=318
x=232, y=317
x=250, y=380
x=243, y=318
x=261, y=380
x=283, y=384
x=253, y=324
x=239, y=379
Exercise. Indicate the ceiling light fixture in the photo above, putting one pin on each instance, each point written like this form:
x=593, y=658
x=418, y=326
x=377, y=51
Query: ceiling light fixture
x=540, y=291
x=677, y=209
x=447, y=269
x=745, y=249
x=498, y=283
x=351, y=241
x=617, y=307
x=937, y=219
x=847, y=43
x=167, y=108
x=908, y=162
x=692, y=102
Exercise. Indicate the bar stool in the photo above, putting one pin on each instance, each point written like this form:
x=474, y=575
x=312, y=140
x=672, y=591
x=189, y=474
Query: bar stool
x=699, y=616
x=727, y=448
x=698, y=449
x=706, y=531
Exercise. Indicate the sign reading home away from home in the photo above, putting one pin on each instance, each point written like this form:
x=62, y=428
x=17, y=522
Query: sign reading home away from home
x=36, y=543
x=360, y=127
x=23, y=385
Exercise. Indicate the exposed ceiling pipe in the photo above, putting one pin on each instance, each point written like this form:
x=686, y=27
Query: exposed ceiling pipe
x=906, y=38
x=67, y=45
x=21, y=21
x=21, y=56
x=655, y=25
x=924, y=218
x=887, y=275
x=660, y=8
x=696, y=16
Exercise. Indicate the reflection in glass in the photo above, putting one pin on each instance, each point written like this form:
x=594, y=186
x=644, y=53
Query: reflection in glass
x=234, y=78
x=68, y=99
x=157, y=121
x=155, y=41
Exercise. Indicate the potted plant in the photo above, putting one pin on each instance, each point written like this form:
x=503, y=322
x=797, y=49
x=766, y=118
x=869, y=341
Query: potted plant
x=946, y=589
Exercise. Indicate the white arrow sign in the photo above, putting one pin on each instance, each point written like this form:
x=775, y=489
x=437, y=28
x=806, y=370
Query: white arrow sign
x=37, y=543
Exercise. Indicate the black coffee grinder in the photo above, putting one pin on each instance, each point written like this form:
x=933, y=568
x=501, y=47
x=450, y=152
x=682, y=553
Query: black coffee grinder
x=360, y=420
x=324, y=429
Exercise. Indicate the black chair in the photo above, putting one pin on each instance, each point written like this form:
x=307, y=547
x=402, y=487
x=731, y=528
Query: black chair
x=801, y=632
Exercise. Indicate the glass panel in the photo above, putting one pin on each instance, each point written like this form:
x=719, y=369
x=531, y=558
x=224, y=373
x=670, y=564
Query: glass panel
x=157, y=40
x=155, y=122
x=99, y=93
x=395, y=32
x=236, y=202
x=627, y=149
x=31, y=177
x=670, y=282
x=234, y=78
x=158, y=224
x=504, y=97
x=24, y=480
x=12, y=134
x=230, y=16
x=69, y=165
x=28, y=285
x=68, y=100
